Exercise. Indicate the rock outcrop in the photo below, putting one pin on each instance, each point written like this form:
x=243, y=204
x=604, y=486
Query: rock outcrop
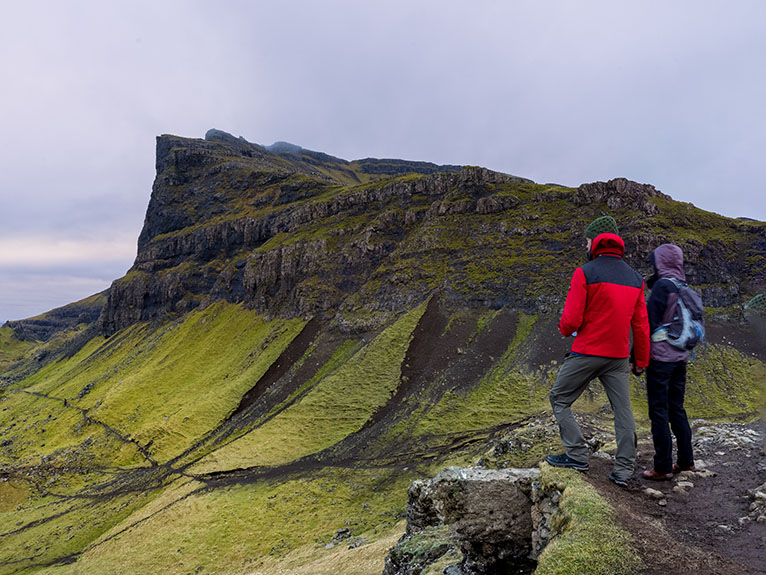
x=758, y=506
x=620, y=194
x=494, y=520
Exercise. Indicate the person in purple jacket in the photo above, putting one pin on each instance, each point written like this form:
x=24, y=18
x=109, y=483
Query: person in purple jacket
x=666, y=374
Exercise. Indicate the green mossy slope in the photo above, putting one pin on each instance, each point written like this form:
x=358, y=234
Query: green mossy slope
x=336, y=407
x=238, y=528
x=12, y=350
x=165, y=388
x=207, y=362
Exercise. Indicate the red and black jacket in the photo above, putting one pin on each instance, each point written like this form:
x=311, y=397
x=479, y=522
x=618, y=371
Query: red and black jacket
x=605, y=302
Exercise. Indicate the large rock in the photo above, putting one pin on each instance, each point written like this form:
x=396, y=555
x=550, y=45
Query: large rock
x=490, y=516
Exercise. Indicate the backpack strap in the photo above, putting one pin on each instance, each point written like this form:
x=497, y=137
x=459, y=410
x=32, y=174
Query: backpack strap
x=660, y=334
x=676, y=282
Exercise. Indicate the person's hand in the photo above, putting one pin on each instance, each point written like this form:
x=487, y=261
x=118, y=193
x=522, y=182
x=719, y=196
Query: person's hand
x=636, y=370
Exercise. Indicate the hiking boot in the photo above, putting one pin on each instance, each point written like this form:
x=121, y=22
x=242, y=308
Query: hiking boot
x=619, y=481
x=678, y=469
x=564, y=460
x=652, y=475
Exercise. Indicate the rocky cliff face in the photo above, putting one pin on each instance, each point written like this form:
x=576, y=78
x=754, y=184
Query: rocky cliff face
x=295, y=233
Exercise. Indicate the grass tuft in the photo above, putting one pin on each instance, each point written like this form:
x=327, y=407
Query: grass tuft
x=590, y=540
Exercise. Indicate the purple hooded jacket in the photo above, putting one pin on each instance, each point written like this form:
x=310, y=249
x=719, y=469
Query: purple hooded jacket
x=668, y=260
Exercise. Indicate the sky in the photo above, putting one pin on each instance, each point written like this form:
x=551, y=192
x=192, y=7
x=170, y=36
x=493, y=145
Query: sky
x=666, y=93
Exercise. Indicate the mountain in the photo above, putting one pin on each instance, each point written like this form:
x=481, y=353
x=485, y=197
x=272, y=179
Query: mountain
x=291, y=232
x=301, y=337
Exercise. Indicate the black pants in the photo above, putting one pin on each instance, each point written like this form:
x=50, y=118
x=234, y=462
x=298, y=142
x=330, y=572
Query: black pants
x=665, y=387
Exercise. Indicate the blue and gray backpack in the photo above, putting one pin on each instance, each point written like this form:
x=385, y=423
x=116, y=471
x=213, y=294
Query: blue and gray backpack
x=687, y=328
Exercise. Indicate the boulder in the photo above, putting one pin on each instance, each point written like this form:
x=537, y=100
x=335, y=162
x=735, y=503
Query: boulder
x=497, y=519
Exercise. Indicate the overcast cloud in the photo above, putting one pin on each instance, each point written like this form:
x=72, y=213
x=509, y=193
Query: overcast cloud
x=670, y=94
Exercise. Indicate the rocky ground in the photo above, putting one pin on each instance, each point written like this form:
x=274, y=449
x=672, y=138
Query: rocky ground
x=712, y=521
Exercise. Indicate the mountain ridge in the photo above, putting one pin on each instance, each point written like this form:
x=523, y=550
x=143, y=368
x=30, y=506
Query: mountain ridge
x=293, y=348
x=232, y=220
x=257, y=227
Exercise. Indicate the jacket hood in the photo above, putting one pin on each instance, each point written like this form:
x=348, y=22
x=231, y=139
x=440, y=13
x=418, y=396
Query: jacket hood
x=607, y=245
x=668, y=260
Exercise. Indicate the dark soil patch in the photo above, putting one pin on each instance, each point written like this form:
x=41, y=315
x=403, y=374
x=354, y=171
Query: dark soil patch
x=427, y=349
x=463, y=356
x=483, y=351
x=284, y=379
x=687, y=534
x=455, y=357
x=442, y=357
x=545, y=344
x=281, y=366
x=290, y=380
x=748, y=339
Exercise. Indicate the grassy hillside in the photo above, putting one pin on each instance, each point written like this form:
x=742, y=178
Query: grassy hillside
x=226, y=443
x=12, y=350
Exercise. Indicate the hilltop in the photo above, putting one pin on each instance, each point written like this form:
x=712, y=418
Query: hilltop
x=301, y=337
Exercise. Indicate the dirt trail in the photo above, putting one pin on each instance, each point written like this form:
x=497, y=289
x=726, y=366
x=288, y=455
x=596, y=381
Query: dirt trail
x=703, y=531
x=88, y=419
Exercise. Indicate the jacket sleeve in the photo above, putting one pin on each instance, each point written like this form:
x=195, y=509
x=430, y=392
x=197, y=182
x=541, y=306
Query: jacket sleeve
x=574, y=308
x=640, y=325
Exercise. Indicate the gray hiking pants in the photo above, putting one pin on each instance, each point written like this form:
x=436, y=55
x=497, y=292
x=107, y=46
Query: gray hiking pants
x=572, y=379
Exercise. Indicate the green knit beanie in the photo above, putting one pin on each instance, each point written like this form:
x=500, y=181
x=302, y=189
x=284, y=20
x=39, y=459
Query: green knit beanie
x=602, y=225
x=757, y=305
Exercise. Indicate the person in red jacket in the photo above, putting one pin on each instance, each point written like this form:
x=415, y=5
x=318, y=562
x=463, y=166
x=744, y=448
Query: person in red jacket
x=604, y=305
